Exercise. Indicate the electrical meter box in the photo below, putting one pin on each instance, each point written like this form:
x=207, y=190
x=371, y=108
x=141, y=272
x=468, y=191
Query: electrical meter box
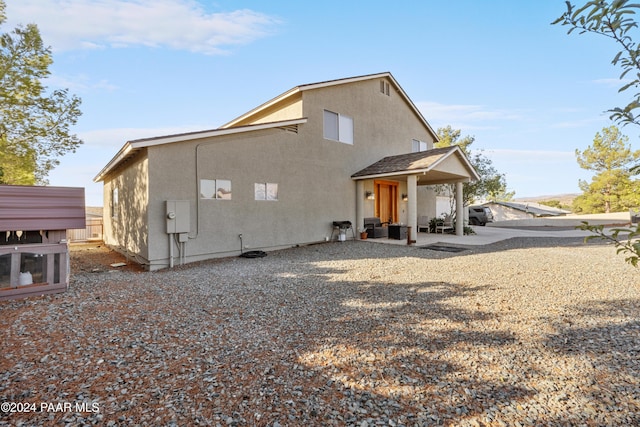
x=178, y=216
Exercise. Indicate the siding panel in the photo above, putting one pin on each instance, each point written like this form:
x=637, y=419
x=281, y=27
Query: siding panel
x=41, y=208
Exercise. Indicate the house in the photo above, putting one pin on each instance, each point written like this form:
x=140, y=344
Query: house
x=279, y=175
x=504, y=211
x=34, y=255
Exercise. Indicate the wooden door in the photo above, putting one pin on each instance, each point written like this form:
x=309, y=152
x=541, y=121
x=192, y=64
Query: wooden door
x=386, y=195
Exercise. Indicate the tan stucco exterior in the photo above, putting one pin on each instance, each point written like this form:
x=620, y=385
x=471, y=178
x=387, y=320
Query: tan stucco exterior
x=312, y=174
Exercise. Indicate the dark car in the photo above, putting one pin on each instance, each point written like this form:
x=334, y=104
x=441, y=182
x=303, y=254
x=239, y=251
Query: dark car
x=480, y=215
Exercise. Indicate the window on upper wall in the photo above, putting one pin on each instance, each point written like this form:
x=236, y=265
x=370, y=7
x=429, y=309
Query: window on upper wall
x=266, y=191
x=338, y=127
x=417, y=146
x=211, y=189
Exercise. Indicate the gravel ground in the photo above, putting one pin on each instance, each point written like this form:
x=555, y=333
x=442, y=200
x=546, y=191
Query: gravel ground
x=523, y=332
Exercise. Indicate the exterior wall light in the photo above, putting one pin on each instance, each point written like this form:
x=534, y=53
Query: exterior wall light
x=369, y=195
x=405, y=198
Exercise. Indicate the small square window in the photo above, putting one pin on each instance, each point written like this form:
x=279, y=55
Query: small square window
x=266, y=191
x=215, y=189
x=417, y=146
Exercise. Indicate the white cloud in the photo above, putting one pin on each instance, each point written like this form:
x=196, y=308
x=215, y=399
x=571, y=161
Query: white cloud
x=466, y=116
x=173, y=24
x=530, y=156
x=115, y=138
x=612, y=82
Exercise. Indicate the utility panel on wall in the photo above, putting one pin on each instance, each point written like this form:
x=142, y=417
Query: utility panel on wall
x=178, y=216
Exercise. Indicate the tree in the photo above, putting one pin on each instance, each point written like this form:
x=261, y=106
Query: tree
x=491, y=183
x=34, y=123
x=614, y=20
x=611, y=189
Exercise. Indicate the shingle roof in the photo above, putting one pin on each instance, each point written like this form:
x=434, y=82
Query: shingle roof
x=422, y=160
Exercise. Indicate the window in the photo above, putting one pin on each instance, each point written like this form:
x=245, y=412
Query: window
x=384, y=87
x=338, y=127
x=266, y=191
x=417, y=146
x=114, y=203
x=215, y=189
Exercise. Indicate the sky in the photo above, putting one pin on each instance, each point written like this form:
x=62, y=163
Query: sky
x=497, y=70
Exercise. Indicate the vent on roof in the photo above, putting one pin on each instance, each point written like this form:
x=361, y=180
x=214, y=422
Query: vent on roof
x=384, y=87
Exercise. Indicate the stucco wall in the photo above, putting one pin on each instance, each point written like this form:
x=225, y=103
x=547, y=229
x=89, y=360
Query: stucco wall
x=126, y=231
x=313, y=176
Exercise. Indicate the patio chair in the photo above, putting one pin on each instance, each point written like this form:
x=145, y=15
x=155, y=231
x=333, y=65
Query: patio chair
x=423, y=224
x=444, y=225
x=375, y=228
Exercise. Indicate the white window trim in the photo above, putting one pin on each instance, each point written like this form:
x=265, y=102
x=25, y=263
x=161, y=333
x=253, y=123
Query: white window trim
x=265, y=192
x=421, y=146
x=215, y=195
x=345, y=127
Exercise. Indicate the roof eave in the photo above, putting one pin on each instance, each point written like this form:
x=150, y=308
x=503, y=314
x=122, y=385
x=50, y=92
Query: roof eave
x=131, y=147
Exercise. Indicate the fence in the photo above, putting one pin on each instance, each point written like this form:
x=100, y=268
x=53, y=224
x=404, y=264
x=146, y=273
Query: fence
x=93, y=231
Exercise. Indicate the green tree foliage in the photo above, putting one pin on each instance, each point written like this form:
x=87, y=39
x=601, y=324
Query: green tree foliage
x=611, y=189
x=615, y=20
x=34, y=123
x=491, y=185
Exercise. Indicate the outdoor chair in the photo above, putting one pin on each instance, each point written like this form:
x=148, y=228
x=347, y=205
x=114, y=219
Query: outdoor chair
x=375, y=228
x=423, y=224
x=444, y=225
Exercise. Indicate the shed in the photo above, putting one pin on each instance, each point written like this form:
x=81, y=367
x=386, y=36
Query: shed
x=34, y=253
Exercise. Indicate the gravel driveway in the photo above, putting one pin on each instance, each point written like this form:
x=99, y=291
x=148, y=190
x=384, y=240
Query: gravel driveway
x=523, y=332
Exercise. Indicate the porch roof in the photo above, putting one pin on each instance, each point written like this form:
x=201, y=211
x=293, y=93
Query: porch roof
x=438, y=165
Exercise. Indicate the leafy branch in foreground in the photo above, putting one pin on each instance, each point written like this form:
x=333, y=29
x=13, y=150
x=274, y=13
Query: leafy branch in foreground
x=631, y=247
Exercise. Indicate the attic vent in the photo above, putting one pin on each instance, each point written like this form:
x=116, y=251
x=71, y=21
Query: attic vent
x=384, y=87
x=289, y=128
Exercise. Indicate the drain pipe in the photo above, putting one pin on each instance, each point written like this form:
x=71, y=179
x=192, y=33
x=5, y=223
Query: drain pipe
x=170, y=250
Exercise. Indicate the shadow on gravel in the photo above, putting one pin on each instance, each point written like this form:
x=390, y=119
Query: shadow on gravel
x=284, y=339
x=612, y=348
x=518, y=243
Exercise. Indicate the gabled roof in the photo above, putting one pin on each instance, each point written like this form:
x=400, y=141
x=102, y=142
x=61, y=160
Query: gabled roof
x=415, y=163
x=296, y=90
x=130, y=148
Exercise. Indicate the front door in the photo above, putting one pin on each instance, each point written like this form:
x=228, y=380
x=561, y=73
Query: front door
x=386, y=195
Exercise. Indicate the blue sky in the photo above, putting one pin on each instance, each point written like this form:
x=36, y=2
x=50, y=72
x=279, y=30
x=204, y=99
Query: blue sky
x=496, y=69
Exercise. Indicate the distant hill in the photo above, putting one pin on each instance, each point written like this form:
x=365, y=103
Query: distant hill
x=564, y=199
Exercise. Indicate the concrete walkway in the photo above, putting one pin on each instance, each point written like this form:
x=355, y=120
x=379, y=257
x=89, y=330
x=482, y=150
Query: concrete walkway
x=563, y=226
x=483, y=236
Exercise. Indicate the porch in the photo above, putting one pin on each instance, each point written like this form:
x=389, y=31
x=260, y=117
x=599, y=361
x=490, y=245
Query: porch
x=389, y=187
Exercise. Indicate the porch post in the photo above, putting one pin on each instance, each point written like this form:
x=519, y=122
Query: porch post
x=412, y=204
x=359, y=205
x=459, y=210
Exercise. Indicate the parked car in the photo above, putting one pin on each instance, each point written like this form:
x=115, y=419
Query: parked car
x=480, y=215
